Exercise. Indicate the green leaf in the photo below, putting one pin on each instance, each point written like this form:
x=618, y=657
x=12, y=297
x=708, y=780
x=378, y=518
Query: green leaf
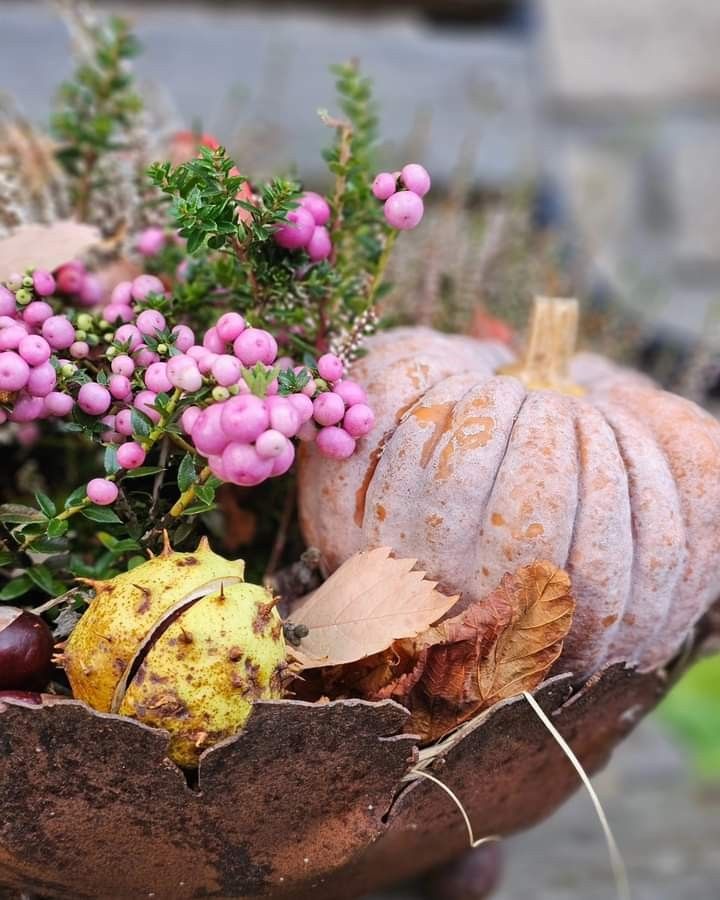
x=45, y=504
x=57, y=527
x=197, y=508
x=77, y=496
x=186, y=472
x=16, y=588
x=206, y=493
x=142, y=471
x=17, y=514
x=135, y=561
x=141, y=424
x=42, y=577
x=110, y=460
x=101, y=514
x=6, y=558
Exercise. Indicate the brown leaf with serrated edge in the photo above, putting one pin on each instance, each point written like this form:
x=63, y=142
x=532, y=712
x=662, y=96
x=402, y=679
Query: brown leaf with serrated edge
x=44, y=246
x=525, y=651
x=372, y=600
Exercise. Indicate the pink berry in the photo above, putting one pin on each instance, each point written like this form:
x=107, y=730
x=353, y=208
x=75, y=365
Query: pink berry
x=189, y=418
x=310, y=388
x=243, y=465
x=14, y=372
x=122, y=293
x=36, y=313
x=255, y=345
x=317, y=206
x=58, y=404
x=384, y=185
x=27, y=409
x=335, y=443
x=150, y=321
x=44, y=283
x=143, y=286
x=59, y=332
x=328, y=408
x=42, y=380
x=207, y=361
x=91, y=292
x=129, y=334
x=283, y=462
x=302, y=405
x=123, y=422
x=183, y=373
x=283, y=417
x=69, y=278
x=244, y=418
x=94, y=399
x=12, y=335
x=319, y=246
x=213, y=342
x=151, y=241
x=416, y=179
x=226, y=370
x=359, y=420
x=229, y=326
x=404, y=210
x=271, y=443
x=184, y=338
x=350, y=391
x=119, y=386
x=116, y=312
x=297, y=230
x=34, y=349
x=123, y=365
x=208, y=433
x=130, y=455
x=156, y=378
x=145, y=357
x=7, y=302
x=102, y=492
x=79, y=350
x=330, y=367
x=145, y=402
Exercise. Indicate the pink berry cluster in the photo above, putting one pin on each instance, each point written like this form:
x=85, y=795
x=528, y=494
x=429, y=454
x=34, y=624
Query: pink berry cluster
x=304, y=228
x=403, y=192
x=31, y=334
x=73, y=280
x=247, y=438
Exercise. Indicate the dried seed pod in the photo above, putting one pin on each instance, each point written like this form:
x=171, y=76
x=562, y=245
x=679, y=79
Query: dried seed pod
x=26, y=646
x=180, y=643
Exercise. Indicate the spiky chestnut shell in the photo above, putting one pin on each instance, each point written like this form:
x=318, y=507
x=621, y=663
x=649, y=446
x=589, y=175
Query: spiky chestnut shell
x=182, y=643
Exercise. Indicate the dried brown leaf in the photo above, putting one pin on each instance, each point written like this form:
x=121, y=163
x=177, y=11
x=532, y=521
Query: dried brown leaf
x=44, y=246
x=369, y=602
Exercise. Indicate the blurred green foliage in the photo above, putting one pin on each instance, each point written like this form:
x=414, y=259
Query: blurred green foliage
x=692, y=712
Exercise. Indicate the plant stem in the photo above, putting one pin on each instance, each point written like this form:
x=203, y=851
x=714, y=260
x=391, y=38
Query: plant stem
x=187, y=497
x=380, y=268
x=159, y=430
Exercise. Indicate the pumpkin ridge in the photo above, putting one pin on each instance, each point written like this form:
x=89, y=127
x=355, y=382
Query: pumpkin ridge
x=679, y=505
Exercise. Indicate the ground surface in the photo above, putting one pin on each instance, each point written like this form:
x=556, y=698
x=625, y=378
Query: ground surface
x=667, y=826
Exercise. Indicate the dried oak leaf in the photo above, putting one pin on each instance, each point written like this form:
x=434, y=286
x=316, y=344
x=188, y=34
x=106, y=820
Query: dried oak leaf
x=44, y=246
x=369, y=602
x=500, y=646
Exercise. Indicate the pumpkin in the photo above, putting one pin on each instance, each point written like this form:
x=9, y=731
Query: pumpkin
x=477, y=467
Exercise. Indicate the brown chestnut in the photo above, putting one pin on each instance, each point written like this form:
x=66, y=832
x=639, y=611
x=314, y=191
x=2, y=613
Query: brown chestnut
x=26, y=648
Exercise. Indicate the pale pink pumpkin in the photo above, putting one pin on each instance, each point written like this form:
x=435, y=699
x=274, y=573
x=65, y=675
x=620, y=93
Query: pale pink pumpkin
x=475, y=473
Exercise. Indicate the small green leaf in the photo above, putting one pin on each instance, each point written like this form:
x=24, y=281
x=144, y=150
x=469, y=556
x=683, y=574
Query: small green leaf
x=6, y=558
x=110, y=460
x=77, y=496
x=57, y=527
x=186, y=472
x=141, y=424
x=45, y=504
x=42, y=577
x=101, y=514
x=142, y=471
x=206, y=493
x=16, y=588
x=135, y=561
x=107, y=540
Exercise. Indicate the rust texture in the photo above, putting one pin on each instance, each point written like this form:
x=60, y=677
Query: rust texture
x=310, y=801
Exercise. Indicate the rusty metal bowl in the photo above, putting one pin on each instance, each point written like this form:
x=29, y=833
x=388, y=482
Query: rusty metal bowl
x=309, y=801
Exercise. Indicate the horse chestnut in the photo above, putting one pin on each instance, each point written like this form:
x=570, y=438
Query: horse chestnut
x=26, y=647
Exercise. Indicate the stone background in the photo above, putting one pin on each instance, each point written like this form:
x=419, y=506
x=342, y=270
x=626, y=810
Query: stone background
x=615, y=106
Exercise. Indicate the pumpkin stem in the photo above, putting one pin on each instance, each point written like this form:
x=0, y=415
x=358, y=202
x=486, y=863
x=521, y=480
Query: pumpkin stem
x=553, y=335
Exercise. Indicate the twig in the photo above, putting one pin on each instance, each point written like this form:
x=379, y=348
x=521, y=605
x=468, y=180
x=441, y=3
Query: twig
x=282, y=533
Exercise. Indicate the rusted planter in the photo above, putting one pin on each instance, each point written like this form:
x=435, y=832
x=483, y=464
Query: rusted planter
x=310, y=801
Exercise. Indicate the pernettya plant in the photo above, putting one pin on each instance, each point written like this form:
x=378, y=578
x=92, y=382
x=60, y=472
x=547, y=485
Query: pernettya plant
x=212, y=363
